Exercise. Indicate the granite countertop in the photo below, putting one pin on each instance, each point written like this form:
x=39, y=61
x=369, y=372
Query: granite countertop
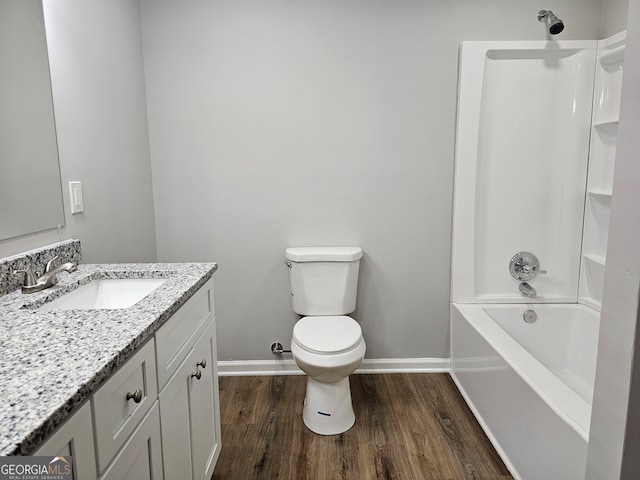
x=51, y=361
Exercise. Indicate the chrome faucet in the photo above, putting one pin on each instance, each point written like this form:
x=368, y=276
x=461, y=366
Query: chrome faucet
x=34, y=283
x=524, y=266
x=527, y=290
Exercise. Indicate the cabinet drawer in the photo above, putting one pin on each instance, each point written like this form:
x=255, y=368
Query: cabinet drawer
x=175, y=339
x=116, y=409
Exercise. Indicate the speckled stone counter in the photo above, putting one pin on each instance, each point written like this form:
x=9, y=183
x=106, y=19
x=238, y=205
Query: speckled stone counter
x=51, y=361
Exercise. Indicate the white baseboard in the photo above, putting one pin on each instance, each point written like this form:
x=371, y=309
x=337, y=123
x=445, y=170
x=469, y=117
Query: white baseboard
x=405, y=365
x=374, y=365
x=240, y=368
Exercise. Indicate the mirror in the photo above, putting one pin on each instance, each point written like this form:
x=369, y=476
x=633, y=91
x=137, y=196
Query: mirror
x=30, y=188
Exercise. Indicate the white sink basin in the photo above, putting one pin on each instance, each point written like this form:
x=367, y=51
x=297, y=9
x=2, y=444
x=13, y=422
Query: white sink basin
x=105, y=294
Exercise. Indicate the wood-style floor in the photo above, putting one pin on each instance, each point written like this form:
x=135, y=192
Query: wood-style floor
x=408, y=426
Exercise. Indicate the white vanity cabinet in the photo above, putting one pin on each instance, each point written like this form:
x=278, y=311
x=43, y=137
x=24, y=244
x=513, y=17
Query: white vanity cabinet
x=188, y=382
x=158, y=415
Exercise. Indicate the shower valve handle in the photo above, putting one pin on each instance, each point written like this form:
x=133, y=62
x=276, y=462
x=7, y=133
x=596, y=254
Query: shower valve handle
x=524, y=266
x=527, y=268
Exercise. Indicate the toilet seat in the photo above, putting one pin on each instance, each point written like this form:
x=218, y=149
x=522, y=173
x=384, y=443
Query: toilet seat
x=327, y=335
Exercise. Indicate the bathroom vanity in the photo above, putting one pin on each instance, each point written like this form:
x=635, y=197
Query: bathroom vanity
x=128, y=392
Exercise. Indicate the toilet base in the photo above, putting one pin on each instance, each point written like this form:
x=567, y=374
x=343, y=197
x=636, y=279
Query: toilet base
x=327, y=407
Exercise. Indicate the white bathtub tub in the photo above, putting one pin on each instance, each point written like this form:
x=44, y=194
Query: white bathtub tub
x=530, y=385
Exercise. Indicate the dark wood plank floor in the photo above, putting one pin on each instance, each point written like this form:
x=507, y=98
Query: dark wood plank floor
x=408, y=426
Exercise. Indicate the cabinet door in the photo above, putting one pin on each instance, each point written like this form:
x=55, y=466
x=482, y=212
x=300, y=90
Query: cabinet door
x=189, y=414
x=141, y=456
x=175, y=420
x=74, y=438
x=205, y=408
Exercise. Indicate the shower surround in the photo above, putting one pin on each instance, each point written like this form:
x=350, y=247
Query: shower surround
x=535, y=145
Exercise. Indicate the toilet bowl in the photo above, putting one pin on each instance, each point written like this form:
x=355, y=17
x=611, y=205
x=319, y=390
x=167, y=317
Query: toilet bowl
x=328, y=349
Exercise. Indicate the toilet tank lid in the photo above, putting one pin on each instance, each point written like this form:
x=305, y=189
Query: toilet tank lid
x=323, y=254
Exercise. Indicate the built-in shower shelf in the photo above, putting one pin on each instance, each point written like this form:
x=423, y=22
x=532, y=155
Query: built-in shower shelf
x=613, y=57
x=597, y=259
x=590, y=302
x=593, y=273
x=602, y=154
x=605, y=194
x=609, y=125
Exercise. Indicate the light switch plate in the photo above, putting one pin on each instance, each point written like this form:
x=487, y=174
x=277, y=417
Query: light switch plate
x=75, y=197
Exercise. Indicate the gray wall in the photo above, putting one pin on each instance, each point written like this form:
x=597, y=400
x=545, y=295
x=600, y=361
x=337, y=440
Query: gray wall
x=614, y=17
x=276, y=123
x=98, y=88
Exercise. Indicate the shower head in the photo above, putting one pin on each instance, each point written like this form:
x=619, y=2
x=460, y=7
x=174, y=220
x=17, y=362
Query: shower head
x=555, y=24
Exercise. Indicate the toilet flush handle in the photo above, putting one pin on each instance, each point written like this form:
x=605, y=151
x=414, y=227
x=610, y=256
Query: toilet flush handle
x=287, y=263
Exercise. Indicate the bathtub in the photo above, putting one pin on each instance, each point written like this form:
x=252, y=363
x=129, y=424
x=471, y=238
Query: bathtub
x=530, y=385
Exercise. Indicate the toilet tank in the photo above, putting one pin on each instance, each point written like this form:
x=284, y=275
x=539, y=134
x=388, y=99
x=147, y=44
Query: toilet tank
x=323, y=280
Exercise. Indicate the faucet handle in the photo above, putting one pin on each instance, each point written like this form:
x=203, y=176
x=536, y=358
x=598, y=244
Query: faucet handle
x=29, y=279
x=49, y=266
x=530, y=268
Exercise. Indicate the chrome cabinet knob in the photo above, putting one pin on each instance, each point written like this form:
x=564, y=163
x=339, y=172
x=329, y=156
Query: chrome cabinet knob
x=202, y=364
x=198, y=375
x=135, y=396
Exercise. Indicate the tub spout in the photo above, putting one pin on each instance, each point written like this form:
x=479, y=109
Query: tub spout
x=527, y=290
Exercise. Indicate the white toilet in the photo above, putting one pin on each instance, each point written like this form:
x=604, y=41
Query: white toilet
x=327, y=345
